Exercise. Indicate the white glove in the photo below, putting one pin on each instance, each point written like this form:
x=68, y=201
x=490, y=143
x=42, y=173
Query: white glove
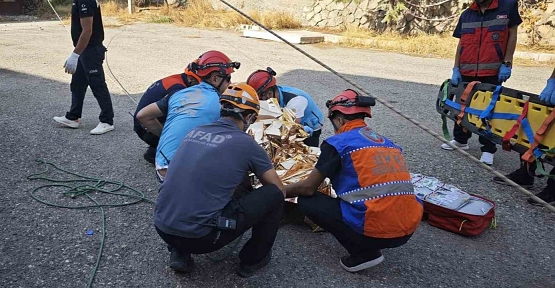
x=71, y=63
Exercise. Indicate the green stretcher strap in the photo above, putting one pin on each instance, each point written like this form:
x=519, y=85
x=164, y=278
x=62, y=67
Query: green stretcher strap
x=539, y=168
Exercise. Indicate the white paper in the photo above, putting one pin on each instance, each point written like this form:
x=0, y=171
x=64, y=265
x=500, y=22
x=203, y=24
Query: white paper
x=269, y=108
x=257, y=129
x=288, y=164
x=274, y=129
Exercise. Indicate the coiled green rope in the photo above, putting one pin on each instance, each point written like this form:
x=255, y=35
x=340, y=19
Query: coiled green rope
x=84, y=186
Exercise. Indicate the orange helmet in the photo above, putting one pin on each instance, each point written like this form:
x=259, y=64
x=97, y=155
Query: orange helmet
x=189, y=70
x=348, y=102
x=261, y=80
x=242, y=97
x=214, y=61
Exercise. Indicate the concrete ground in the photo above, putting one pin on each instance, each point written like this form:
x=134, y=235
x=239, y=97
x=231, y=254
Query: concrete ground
x=42, y=246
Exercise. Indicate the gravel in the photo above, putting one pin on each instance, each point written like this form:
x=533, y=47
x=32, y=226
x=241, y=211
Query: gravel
x=43, y=246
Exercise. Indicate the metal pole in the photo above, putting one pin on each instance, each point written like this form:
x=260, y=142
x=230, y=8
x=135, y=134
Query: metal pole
x=130, y=6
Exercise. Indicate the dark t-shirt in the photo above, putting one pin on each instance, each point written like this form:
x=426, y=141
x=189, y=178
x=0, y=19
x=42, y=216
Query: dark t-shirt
x=82, y=9
x=329, y=161
x=209, y=164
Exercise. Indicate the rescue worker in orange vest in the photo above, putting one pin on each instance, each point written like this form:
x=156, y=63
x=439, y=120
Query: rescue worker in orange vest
x=376, y=207
x=488, y=34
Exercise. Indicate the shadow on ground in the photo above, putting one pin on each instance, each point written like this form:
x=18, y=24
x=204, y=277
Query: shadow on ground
x=45, y=247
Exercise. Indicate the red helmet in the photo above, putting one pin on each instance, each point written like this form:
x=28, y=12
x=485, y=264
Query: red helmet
x=214, y=61
x=189, y=70
x=345, y=103
x=261, y=80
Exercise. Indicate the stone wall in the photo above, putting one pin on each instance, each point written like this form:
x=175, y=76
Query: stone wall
x=369, y=14
x=429, y=18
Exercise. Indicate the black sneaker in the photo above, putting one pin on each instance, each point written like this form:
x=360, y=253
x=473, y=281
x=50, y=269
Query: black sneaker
x=547, y=196
x=150, y=154
x=357, y=263
x=517, y=176
x=181, y=263
x=246, y=271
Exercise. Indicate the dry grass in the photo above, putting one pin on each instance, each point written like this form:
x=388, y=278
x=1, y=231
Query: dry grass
x=439, y=46
x=201, y=14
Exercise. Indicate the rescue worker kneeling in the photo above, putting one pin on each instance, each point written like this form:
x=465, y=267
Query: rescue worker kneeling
x=156, y=92
x=376, y=206
x=195, y=212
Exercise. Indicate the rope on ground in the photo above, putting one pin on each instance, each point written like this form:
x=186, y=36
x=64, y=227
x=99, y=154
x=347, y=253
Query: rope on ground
x=88, y=186
x=398, y=112
x=85, y=186
x=110, y=70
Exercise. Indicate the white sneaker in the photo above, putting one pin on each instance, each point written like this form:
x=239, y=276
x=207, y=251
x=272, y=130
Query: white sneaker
x=102, y=128
x=454, y=142
x=487, y=158
x=68, y=123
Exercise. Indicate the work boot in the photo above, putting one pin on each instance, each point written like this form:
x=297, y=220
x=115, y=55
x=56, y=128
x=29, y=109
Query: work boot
x=246, y=271
x=68, y=123
x=454, y=142
x=150, y=155
x=356, y=263
x=545, y=195
x=519, y=176
x=181, y=263
x=102, y=128
x=487, y=158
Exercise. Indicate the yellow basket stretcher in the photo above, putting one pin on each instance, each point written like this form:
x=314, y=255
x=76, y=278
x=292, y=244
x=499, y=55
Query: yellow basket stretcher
x=514, y=119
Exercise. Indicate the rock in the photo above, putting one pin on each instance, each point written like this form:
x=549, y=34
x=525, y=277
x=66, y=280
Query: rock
x=307, y=9
x=350, y=19
x=325, y=14
x=336, y=6
x=352, y=7
x=333, y=14
x=325, y=3
x=365, y=25
x=309, y=16
x=356, y=23
x=335, y=22
x=322, y=23
x=550, y=20
x=363, y=5
x=547, y=35
x=373, y=5
x=317, y=18
x=317, y=9
x=359, y=13
x=344, y=12
x=364, y=20
x=550, y=8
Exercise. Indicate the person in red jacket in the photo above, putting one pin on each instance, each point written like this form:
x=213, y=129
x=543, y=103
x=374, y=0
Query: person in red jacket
x=488, y=32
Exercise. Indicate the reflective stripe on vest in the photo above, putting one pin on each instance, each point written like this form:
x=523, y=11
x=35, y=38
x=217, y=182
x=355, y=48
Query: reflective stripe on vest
x=378, y=190
x=485, y=24
x=485, y=66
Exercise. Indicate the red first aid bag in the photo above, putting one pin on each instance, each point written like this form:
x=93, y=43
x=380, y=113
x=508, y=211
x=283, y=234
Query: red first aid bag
x=469, y=220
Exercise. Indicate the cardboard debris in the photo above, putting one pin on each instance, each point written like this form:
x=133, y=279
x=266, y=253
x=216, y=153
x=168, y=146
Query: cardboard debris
x=282, y=139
